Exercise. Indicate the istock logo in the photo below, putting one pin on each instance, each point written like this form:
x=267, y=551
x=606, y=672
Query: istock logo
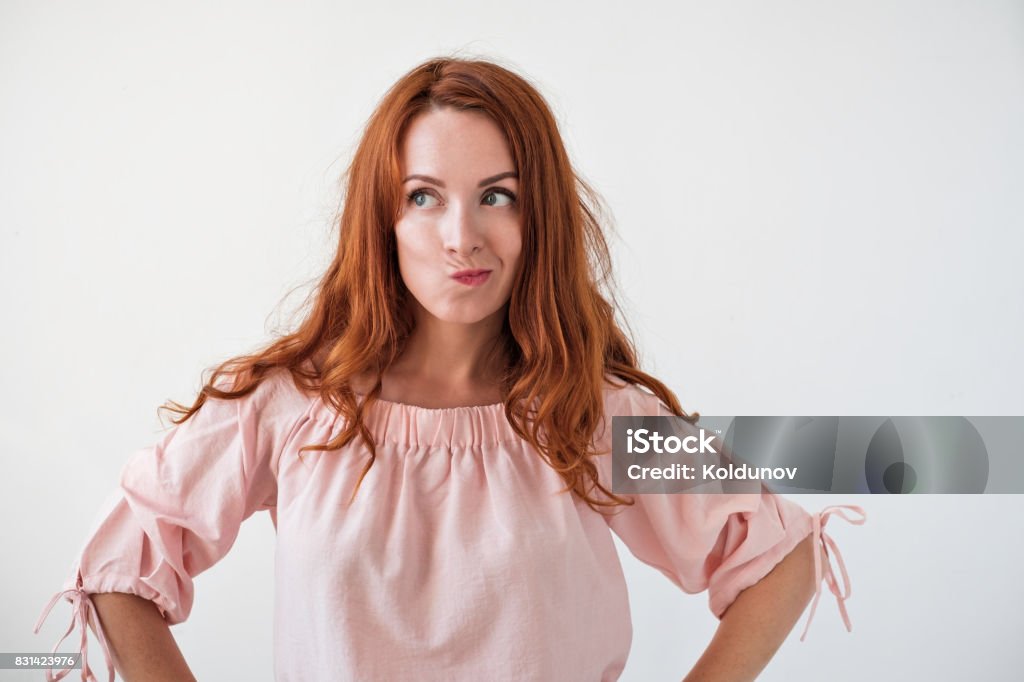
x=670, y=444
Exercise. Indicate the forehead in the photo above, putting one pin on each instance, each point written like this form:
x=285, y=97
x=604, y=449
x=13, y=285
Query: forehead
x=447, y=142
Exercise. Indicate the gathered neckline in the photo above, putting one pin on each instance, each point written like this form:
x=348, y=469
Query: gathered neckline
x=407, y=425
x=409, y=406
x=465, y=426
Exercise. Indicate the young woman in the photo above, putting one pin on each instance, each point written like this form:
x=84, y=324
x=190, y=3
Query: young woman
x=432, y=442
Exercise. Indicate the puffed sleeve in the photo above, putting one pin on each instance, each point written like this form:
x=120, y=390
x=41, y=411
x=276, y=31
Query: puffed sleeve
x=178, y=509
x=719, y=542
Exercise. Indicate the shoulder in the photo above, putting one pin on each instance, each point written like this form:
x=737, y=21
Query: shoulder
x=283, y=394
x=622, y=398
x=276, y=400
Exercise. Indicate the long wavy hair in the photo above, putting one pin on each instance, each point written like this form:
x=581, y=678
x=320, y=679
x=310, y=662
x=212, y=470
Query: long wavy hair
x=560, y=342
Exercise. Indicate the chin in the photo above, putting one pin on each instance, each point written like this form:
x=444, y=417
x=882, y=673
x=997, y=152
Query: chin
x=463, y=314
x=465, y=318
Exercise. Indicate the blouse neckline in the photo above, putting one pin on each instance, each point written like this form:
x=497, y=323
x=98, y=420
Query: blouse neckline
x=466, y=426
x=408, y=406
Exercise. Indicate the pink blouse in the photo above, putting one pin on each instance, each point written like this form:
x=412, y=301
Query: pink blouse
x=458, y=559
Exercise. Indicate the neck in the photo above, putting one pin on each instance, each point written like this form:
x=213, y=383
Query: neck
x=453, y=354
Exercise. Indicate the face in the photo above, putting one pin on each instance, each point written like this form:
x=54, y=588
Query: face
x=460, y=213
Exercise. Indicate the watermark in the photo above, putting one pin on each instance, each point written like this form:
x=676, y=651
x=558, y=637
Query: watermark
x=793, y=455
x=34, y=661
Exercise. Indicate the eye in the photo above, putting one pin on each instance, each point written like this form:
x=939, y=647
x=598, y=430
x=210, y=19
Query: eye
x=418, y=193
x=499, y=192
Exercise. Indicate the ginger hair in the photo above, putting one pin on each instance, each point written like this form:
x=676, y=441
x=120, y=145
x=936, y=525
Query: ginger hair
x=560, y=338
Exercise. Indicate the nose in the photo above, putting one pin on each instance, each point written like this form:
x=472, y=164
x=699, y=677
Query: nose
x=460, y=232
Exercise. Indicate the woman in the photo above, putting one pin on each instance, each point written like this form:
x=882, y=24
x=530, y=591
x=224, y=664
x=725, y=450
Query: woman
x=432, y=442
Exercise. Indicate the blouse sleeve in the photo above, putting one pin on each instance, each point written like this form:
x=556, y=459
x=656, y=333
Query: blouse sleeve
x=720, y=542
x=177, y=511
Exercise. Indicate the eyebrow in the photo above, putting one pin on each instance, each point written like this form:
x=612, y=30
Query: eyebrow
x=483, y=183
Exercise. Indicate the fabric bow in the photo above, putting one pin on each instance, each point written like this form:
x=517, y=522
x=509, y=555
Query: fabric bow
x=825, y=541
x=82, y=610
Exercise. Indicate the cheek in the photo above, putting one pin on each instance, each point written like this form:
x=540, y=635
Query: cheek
x=507, y=239
x=412, y=245
x=512, y=249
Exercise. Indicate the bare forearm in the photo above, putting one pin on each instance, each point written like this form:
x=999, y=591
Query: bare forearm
x=140, y=640
x=758, y=621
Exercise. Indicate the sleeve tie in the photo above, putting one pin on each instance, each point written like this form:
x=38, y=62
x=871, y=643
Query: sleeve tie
x=82, y=609
x=825, y=541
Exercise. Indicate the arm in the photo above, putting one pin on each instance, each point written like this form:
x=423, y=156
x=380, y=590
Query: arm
x=140, y=640
x=177, y=512
x=757, y=622
x=752, y=553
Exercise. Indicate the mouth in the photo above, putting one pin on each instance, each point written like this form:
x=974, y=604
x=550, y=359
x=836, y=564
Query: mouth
x=471, y=277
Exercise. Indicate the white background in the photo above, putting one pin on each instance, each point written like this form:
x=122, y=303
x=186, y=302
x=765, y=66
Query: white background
x=818, y=209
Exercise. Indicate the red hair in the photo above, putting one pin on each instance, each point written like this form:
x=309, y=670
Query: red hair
x=561, y=341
